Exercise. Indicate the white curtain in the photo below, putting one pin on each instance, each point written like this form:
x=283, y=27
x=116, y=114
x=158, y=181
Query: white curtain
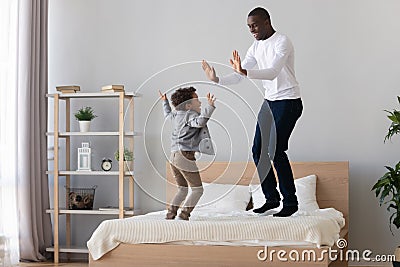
x=8, y=142
x=23, y=120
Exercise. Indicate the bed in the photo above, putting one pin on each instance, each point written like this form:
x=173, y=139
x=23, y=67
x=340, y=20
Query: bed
x=331, y=192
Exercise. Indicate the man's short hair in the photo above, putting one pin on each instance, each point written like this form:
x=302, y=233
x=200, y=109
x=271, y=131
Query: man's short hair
x=181, y=97
x=261, y=12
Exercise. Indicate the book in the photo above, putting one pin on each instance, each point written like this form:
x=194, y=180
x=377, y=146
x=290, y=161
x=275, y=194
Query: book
x=113, y=87
x=68, y=88
x=67, y=91
x=112, y=90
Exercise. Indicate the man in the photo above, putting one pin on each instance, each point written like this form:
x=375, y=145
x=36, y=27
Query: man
x=273, y=53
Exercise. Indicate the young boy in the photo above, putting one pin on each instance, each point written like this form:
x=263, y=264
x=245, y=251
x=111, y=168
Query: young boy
x=189, y=135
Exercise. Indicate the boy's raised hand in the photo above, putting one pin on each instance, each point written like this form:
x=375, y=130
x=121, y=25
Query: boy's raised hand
x=211, y=99
x=209, y=71
x=162, y=96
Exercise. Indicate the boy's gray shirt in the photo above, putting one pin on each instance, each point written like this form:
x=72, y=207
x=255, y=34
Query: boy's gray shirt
x=189, y=129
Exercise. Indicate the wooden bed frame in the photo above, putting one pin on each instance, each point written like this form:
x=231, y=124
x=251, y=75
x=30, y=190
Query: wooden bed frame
x=332, y=191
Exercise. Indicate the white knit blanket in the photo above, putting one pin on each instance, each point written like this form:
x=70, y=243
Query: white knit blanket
x=321, y=227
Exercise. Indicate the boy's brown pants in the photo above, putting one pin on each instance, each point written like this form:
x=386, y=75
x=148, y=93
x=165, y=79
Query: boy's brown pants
x=186, y=173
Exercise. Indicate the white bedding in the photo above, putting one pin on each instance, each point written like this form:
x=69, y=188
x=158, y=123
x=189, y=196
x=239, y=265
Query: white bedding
x=317, y=228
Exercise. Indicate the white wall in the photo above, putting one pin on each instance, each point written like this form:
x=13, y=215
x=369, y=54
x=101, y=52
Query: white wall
x=347, y=63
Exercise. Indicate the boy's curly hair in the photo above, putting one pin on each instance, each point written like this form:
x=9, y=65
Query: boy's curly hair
x=181, y=95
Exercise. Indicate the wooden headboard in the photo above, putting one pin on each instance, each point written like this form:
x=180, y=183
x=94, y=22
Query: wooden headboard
x=332, y=181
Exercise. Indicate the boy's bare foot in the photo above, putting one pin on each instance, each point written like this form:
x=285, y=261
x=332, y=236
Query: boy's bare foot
x=170, y=216
x=184, y=216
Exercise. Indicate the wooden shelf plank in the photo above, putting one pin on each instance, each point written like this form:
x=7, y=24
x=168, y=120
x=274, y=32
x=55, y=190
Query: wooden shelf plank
x=104, y=173
x=93, y=95
x=72, y=249
x=63, y=134
x=94, y=212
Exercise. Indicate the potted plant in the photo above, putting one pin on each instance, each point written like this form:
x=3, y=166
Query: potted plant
x=128, y=158
x=84, y=116
x=388, y=186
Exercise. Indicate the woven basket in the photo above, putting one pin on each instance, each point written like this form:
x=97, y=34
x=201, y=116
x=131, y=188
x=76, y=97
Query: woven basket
x=80, y=198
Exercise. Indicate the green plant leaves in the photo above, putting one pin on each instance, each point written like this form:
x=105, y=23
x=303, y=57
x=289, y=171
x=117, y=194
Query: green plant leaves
x=85, y=114
x=128, y=155
x=394, y=117
x=388, y=187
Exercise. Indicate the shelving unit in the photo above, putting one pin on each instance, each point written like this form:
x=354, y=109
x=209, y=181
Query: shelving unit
x=57, y=173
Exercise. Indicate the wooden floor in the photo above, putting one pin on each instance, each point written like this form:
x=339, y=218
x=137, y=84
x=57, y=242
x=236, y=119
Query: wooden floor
x=50, y=264
x=79, y=264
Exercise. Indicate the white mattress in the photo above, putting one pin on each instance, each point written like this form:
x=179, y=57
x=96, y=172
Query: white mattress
x=206, y=227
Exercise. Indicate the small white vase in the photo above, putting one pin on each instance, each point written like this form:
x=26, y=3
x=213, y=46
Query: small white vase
x=84, y=126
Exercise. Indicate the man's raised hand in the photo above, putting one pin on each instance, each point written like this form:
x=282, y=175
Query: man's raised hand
x=236, y=63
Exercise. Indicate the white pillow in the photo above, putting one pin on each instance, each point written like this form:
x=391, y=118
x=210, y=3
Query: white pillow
x=224, y=197
x=305, y=192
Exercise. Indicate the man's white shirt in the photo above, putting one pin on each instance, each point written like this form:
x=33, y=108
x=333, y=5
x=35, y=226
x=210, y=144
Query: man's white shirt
x=275, y=60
